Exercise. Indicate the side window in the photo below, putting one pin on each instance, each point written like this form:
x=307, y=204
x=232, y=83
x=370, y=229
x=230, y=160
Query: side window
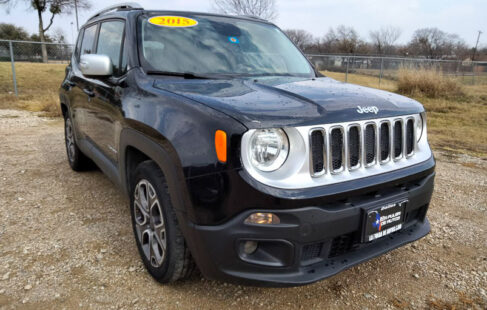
x=78, y=45
x=88, y=40
x=110, y=42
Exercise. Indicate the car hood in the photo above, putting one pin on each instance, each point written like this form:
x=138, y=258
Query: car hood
x=290, y=101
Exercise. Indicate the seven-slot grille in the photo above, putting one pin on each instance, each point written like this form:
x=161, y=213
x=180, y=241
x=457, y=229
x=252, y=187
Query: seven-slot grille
x=365, y=145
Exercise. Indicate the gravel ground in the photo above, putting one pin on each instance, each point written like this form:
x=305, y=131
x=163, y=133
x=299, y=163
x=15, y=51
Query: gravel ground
x=66, y=242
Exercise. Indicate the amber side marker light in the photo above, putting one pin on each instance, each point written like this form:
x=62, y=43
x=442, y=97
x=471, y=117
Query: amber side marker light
x=221, y=145
x=262, y=218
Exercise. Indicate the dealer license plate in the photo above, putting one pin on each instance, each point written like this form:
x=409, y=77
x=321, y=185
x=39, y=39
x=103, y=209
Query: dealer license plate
x=384, y=220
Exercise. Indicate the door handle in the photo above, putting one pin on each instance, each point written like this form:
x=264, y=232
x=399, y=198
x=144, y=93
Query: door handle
x=89, y=92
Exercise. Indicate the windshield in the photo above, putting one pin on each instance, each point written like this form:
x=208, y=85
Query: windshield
x=207, y=45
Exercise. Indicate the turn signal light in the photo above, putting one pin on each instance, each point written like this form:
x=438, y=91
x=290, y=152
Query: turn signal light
x=221, y=145
x=262, y=218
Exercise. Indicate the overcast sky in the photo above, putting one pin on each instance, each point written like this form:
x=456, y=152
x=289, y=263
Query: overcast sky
x=463, y=17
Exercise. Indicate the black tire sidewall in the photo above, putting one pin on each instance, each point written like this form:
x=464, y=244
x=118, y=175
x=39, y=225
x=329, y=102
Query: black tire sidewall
x=150, y=172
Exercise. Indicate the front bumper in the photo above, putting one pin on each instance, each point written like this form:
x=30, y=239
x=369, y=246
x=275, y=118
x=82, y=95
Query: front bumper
x=311, y=243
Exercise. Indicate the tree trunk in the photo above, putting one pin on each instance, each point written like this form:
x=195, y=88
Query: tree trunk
x=41, y=36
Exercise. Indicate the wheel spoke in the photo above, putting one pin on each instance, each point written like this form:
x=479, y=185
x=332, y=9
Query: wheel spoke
x=161, y=238
x=141, y=216
x=145, y=242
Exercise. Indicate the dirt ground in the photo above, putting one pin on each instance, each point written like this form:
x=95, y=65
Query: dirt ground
x=66, y=242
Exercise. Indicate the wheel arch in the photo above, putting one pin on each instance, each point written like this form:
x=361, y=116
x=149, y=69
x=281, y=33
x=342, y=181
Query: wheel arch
x=136, y=147
x=63, y=104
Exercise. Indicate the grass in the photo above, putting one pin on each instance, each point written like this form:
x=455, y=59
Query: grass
x=38, y=86
x=428, y=83
x=455, y=123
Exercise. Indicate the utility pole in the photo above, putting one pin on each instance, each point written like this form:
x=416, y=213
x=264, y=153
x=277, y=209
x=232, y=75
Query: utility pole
x=76, y=12
x=476, y=44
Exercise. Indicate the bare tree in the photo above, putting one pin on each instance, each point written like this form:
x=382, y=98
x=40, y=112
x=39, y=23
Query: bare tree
x=434, y=43
x=384, y=38
x=301, y=38
x=343, y=39
x=265, y=9
x=54, y=7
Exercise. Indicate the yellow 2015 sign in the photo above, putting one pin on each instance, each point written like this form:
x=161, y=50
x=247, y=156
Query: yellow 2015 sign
x=173, y=21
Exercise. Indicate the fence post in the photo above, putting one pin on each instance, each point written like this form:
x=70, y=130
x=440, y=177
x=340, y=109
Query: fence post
x=381, y=69
x=346, y=71
x=12, y=61
x=473, y=72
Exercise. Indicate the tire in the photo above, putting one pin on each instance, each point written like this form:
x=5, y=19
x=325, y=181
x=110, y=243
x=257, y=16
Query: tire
x=159, y=240
x=77, y=160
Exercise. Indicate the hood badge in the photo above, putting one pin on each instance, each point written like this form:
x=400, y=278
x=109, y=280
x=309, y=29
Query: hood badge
x=369, y=109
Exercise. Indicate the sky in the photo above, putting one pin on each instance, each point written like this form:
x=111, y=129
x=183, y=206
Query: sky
x=463, y=17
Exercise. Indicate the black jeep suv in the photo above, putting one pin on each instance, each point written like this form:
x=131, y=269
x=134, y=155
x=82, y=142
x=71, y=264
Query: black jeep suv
x=237, y=156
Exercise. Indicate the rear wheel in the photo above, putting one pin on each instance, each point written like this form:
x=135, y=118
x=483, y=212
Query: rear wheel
x=77, y=160
x=159, y=240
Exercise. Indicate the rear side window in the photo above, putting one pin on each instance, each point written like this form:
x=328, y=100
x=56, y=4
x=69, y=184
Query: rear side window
x=88, y=40
x=110, y=42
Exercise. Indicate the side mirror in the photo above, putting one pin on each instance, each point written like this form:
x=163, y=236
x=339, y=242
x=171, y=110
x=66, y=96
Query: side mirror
x=95, y=65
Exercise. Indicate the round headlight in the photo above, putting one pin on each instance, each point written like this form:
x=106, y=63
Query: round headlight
x=419, y=126
x=268, y=149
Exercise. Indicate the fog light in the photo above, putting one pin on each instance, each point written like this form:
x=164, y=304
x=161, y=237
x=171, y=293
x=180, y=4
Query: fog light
x=262, y=218
x=250, y=247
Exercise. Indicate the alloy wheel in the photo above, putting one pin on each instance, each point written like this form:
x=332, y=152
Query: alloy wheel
x=70, y=144
x=149, y=223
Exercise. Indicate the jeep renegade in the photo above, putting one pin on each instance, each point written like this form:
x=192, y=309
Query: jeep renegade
x=236, y=154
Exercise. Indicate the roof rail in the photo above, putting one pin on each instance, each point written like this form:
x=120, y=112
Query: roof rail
x=118, y=7
x=254, y=17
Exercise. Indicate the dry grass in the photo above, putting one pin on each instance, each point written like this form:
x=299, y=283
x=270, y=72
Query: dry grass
x=427, y=83
x=455, y=123
x=38, y=86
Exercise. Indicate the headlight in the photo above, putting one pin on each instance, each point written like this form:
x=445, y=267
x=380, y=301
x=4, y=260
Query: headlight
x=268, y=149
x=419, y=125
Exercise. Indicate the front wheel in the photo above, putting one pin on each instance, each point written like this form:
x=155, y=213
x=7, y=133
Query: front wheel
x=159, y=240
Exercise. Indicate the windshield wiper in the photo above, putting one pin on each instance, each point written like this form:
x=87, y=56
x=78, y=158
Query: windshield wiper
x=186, y=75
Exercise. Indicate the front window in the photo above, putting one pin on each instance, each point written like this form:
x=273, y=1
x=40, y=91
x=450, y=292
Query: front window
x=213, y=45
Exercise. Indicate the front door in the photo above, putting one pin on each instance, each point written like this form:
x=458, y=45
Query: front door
x=105, y=115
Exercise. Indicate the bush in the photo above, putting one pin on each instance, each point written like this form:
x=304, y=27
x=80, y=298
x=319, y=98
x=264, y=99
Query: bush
x=428, y=83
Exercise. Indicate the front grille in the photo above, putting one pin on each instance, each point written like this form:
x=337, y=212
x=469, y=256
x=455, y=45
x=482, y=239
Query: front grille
x=370, y=144
x=409, y=137
x=317, y=151
x=354, y=146
x=397, y=139
x=384, y=142
x=336, y=144
x=365, y=144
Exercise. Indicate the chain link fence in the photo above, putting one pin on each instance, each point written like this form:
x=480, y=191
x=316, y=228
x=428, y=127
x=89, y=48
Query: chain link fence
x=468, y=72
x=23, y=54
x=23, y=61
